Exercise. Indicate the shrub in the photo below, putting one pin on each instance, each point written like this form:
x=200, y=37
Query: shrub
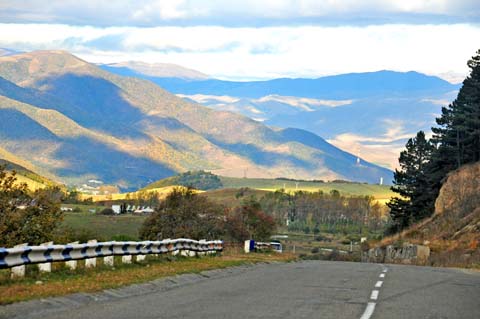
x=107, y=211
x=249, y=221
x=184, y=214
x=25, y=216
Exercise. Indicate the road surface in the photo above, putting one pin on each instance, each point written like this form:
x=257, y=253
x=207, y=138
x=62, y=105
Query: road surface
x=308, y=289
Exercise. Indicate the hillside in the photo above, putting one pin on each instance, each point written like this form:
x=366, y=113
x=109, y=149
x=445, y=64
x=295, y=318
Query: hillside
x=81, y=122
x=232, y=184
x=453, y=232
x=23, y=175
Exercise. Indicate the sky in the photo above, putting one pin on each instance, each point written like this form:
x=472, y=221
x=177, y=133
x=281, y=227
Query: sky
x=253, y=39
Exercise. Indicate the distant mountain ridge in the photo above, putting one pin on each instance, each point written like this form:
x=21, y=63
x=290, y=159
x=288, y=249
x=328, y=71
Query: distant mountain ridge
x=370, y=114
x=343, y=86
x=157, y=70
x=77, y=122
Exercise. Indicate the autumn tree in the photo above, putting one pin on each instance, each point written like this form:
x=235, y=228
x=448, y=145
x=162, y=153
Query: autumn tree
x=184, y=214
x=25, y=216
x=248, y=221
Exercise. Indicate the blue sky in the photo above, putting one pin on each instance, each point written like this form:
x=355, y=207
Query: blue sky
x=253, y=39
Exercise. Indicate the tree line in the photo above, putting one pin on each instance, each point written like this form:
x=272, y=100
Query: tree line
x=312, y=212
x=425, y=163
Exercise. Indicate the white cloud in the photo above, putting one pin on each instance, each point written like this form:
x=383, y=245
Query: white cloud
x=163, y=10
x=229, y=12
x=267, y=52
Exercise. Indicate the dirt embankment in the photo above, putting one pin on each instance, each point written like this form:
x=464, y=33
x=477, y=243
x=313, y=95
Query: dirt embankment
x=453, y=232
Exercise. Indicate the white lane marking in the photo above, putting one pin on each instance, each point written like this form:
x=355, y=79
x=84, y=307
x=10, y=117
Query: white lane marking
x=385, y=270
x=379, y=284
x=382, y=275
x=374, y=295
x=368, y=311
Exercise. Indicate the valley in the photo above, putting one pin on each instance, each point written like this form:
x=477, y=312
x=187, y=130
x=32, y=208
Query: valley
x=73, y=113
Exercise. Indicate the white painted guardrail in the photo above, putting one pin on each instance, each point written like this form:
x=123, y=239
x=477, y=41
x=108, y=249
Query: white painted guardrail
x=22, y=255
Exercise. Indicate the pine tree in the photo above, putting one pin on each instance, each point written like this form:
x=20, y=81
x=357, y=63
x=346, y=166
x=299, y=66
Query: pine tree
x=425, y=164
x=457, y=136
x=411, y=183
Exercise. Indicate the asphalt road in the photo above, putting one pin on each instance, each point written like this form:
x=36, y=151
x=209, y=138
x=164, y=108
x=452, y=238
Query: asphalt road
x=310, y=289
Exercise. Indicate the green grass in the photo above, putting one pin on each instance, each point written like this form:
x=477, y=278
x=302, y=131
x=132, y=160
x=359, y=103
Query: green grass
x=378, y=191
x=102, y=227
x=228, y=198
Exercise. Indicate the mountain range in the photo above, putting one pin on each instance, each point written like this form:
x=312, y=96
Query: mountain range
x=75, y=121
x=369, y=114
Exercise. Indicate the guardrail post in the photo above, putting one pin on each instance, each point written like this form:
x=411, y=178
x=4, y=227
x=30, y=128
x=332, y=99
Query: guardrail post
x=127, y=259
x=91, y=262
x=45, y=267
x=202, y=242
x=140, y=257
x=108, y=261
x=18, y=271
x=72, y=264
x=249, y=246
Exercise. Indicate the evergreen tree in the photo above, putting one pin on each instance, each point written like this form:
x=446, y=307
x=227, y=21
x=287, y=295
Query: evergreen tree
x=424, y=165
x=458, y=133
x=412, y=184
x=457, y=136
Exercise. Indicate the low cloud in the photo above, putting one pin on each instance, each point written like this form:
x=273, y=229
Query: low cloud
x=383, y=150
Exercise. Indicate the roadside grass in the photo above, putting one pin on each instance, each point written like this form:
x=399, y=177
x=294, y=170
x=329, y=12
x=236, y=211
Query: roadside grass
x=62, y=281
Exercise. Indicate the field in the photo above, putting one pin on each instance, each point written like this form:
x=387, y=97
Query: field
x=162, y=192
x=380, y=192
x=227, y=196
x=103, y=227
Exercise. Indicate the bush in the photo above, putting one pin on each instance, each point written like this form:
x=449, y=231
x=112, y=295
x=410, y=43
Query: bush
x=107, y=211
x=249, y=221
x=25, y=216
x=185, y=214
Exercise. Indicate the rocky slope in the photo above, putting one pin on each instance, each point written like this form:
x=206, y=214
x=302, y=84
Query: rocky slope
x=453, y=232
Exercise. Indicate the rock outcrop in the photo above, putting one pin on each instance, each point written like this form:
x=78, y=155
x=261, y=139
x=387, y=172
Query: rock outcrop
x=452, y=233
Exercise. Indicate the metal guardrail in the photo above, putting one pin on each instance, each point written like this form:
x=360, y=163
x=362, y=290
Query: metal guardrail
x=25, y=255
x=252, y=245
x=275, y=246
